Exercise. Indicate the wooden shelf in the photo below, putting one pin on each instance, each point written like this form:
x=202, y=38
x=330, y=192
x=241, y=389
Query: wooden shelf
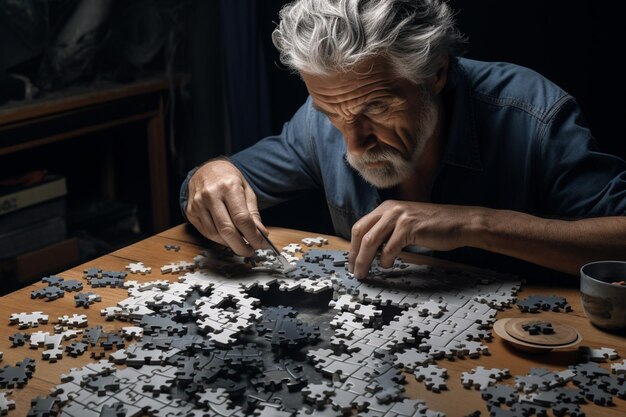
x=79, y=111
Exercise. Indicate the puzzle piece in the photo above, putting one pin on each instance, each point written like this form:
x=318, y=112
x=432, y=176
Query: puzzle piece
x=43, y=407
x=597, y=355
x=138, y=268
x=85, y=299
x=318, y=394
x=411, y=359
x=76, y=320
x=619, y=368
x=50, y=293
x=500, y=394
x=285, y=373
x=26, y=320
x=18, y=375
x=317, y=241
x=18, y=339
x=480, y=377
x=292, y=249
x=537, y=328
x=76, y=349
x=433, y=376
x=5, y=404
x=71, y=285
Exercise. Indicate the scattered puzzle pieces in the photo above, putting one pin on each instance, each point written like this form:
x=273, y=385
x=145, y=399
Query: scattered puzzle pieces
x=538, y=328
x=536, y=303
x=196, y=350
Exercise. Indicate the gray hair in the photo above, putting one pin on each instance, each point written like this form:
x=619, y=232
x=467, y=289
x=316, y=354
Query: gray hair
x=327, y=36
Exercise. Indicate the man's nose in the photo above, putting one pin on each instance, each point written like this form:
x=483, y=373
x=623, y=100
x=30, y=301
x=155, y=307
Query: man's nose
x=359, y=137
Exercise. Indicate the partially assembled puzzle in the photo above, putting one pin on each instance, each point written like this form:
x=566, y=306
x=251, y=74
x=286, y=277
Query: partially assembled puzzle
x=237, y=337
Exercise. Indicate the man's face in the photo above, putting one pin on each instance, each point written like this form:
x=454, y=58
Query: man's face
x=386, y=121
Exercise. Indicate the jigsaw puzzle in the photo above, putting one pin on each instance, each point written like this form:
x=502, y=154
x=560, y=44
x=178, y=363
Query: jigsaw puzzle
x=216, y=341
x=542, y=390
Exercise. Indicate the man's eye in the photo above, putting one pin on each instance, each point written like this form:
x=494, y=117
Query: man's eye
x=377, y=109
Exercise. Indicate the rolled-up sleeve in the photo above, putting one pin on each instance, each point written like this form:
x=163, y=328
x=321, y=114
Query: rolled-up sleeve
x=578, y=180
x=279, y=167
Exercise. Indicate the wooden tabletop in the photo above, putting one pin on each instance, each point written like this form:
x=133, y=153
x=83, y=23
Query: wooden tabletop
x=456, y=401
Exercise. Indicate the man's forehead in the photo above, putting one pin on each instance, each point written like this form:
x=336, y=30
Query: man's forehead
x=367, y=79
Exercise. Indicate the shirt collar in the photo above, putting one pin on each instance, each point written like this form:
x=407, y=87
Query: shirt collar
x=462, y=148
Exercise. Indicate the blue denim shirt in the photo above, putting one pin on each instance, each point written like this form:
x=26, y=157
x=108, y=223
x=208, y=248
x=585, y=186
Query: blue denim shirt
x=515, y=141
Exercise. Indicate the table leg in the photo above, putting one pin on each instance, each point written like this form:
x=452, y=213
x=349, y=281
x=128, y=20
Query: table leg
x=158, y=171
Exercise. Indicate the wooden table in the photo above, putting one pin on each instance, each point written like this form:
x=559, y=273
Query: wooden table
x=457, y=401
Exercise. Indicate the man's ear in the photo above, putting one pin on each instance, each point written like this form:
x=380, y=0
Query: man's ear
x=441, y=76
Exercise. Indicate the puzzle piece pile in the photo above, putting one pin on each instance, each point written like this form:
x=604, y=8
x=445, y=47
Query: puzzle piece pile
x=562, y=392
x=214, y=343
x=206, y=332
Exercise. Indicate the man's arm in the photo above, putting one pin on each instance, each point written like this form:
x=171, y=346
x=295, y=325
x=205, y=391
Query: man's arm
x=557, y=244
x=222, y=197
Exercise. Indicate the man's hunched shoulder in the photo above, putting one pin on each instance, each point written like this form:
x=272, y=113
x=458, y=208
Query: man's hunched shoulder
x=507, y=84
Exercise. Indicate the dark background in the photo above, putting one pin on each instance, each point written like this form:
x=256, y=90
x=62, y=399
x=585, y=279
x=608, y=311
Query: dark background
x=573, y=43
x=231, y=90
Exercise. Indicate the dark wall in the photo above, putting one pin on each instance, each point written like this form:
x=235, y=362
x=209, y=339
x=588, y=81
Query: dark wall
x=573, y=43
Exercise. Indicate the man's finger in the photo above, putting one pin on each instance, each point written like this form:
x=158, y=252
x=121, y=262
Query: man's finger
x=371, y=241
x=207, y=228
x=228, y=231
x=360, y=228
x=201, y=218
x=366, y=255
x=253, y=208
x=241, y=217
x=392, y=248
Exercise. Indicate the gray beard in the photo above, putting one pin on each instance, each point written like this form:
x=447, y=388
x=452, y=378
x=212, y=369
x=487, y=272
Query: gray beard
x=397, y=168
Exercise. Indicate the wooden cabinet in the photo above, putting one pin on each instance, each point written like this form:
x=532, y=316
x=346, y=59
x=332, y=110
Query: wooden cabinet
x=81, y=111
x=65, y=124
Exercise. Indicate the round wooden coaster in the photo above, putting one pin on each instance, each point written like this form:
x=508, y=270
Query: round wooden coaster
x=563, y=335
x=500, y=328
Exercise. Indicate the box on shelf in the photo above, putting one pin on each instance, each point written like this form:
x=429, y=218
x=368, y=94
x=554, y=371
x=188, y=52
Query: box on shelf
x=20, y=195
x=28, y=267
x=32, y=212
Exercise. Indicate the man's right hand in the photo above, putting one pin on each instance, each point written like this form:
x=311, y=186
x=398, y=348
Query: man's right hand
x=223, y=207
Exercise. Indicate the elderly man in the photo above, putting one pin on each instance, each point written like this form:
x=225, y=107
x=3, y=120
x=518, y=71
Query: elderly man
x=415, y=146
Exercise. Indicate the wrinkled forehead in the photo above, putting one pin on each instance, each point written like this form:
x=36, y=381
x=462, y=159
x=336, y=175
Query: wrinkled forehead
x=370, y=77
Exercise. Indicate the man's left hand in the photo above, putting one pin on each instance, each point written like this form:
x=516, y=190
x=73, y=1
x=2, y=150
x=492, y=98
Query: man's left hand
x=397, y=224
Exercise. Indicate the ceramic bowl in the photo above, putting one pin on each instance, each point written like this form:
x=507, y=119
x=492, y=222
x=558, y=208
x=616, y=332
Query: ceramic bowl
x=603, y=301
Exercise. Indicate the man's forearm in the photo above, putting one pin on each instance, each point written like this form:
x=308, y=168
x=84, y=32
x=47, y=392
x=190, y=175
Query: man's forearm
x=557, y=244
